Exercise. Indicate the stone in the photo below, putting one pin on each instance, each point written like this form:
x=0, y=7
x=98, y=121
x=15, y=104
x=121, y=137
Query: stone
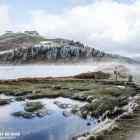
x=42, y=113
x=20, y=98
x=4, y=101
x=33, y=106
x=67, y=113
x=26, y=115
x=62, y=105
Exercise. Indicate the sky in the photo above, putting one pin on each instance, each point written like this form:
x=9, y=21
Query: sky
x=110, y=25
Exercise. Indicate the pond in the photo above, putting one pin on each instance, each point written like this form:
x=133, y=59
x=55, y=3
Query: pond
x=54, y=126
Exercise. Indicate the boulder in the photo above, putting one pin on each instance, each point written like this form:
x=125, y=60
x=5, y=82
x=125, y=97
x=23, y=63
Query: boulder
x=67, y=113
x=4, y=101
x=33, y=106
x=23, y=114
x=42, y=113
x=62, y=105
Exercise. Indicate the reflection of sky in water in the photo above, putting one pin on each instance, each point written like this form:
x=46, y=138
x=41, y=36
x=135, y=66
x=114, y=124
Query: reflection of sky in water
x=12, y=72
x=52, y=127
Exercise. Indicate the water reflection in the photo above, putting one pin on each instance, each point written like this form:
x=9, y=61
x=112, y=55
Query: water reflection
x=54, y=126
x=13, y=72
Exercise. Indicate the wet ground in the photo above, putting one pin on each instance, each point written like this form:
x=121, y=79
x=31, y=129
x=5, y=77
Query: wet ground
x=55, y=125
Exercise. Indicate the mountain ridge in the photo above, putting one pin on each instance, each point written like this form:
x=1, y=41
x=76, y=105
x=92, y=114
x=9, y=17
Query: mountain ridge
x=30, y=47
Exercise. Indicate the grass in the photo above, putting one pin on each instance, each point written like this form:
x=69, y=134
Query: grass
x=15, y=36
x=55, y=88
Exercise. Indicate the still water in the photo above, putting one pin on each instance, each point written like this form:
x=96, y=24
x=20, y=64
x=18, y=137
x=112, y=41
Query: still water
x=54, y=126
x=14, y=72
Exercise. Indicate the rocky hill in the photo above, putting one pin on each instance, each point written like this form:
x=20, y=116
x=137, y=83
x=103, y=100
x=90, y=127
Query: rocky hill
x=30, y=47
x=11, y=40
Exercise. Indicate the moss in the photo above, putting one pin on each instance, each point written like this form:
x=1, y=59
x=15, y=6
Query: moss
x=100, y=106
x=55, y=88
x=43, y=95
x=91, y=138
x=20, y=98
x=23, y=114
x=99, y=137
x=93, y=75
x=33, y=106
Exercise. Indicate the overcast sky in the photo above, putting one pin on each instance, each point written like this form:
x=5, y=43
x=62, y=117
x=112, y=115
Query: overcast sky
x=109, y=25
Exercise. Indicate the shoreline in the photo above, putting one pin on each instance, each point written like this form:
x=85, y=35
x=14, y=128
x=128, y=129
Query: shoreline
x=83, y=90
x=104, y=129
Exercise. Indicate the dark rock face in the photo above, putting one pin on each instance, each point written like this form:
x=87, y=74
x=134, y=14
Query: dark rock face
x=47, y=53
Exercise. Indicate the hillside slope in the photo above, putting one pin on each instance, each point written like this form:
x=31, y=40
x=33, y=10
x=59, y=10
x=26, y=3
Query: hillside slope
x=30, y=47
x=11, y=40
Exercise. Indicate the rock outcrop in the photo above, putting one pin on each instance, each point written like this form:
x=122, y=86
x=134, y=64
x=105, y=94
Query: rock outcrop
x=30, y=47
x=11, y=40
x=51, y=51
